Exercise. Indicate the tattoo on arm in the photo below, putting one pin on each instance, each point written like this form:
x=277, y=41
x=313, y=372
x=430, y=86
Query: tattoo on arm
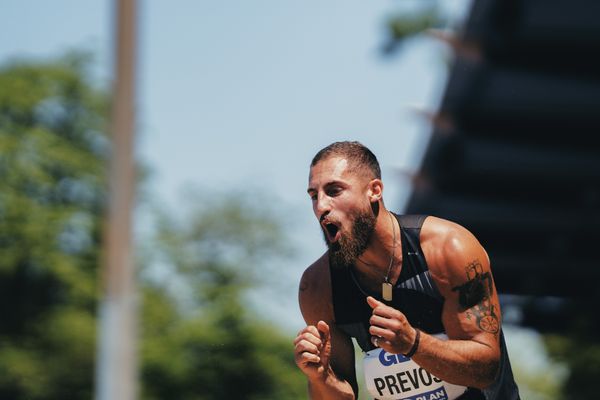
x=475, y=297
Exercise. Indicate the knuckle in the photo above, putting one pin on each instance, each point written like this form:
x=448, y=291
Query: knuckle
x=301, y=346
x=396, y=325
x=400, y=317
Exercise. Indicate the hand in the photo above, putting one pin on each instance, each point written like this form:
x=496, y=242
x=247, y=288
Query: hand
x=390, y=328
x=313, y=350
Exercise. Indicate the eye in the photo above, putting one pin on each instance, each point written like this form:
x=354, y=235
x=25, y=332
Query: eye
x=333, y=191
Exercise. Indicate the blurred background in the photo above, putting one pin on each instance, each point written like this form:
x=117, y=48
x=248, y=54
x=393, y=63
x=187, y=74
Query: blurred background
x=480, y=111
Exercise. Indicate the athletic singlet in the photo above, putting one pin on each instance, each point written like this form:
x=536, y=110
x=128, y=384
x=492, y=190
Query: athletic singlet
x=415, y=294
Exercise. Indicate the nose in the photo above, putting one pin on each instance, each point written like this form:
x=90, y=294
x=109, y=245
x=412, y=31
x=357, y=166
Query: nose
x=322, y=205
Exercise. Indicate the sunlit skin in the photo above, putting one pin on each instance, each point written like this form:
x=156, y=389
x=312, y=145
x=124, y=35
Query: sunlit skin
x=326, y=355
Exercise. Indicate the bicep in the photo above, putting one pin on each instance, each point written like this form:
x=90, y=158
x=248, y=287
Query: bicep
x=471, y=308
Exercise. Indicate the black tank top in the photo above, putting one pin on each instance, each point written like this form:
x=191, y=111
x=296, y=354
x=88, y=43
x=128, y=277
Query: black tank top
x=415, y=294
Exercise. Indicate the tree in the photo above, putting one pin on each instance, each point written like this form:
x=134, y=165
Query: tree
x=404, y=25
x=200, y=336
x=52, y=186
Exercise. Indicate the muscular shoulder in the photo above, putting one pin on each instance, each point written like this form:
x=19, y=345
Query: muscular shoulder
x=314, y=293
x=450, y=249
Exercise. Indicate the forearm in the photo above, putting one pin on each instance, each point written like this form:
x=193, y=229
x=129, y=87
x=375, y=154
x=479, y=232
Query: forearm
x=462, y=362
x=330, y=387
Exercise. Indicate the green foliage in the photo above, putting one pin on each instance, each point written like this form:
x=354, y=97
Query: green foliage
x=579, y=348
x=228, y=357
x=209, y=344
x=199, y=337
x=51, y=194
x=404, y=26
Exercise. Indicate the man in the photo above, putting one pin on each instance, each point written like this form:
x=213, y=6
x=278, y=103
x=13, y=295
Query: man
x=415, y=292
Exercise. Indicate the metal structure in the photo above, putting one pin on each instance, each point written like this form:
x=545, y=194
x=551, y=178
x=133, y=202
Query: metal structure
x=116, y=367
x=513, y=155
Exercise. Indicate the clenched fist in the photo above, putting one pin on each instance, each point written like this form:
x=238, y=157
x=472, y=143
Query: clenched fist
x=313, y=349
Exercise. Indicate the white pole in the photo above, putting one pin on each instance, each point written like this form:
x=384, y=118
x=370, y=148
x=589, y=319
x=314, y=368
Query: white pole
x=116, y=365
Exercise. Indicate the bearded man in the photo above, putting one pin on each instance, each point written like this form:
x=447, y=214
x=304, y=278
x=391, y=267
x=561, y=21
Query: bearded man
x=416, y=293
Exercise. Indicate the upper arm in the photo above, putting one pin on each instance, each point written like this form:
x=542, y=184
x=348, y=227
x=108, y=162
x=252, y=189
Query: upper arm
x=316, y=305
x=471, y=307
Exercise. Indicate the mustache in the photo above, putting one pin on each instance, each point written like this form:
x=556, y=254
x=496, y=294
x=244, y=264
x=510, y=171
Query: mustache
x=326, y=217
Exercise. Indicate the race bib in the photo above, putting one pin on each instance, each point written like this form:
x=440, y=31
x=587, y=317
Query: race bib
x=395, y=377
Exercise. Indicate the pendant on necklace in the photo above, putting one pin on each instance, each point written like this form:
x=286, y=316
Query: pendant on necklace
x=386, y=291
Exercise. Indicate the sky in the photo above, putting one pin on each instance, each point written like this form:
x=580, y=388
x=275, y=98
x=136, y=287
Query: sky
x=242, y=94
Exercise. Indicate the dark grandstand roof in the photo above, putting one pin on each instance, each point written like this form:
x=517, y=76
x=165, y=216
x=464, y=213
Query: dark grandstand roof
x=513, y=154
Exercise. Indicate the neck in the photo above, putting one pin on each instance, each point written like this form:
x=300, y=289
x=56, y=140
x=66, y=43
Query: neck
x=385, y=247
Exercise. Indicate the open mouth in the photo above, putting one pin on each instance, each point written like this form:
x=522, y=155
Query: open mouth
x=332, y=231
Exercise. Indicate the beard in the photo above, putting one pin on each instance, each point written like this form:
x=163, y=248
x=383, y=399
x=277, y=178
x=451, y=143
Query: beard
x=350, y=246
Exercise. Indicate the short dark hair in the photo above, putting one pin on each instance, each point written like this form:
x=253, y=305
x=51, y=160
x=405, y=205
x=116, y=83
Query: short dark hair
x=359, y=156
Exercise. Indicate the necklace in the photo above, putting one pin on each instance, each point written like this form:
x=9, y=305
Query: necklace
x=386, y=286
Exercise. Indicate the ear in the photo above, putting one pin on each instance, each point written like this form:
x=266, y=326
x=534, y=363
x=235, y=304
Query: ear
x=375, y=190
